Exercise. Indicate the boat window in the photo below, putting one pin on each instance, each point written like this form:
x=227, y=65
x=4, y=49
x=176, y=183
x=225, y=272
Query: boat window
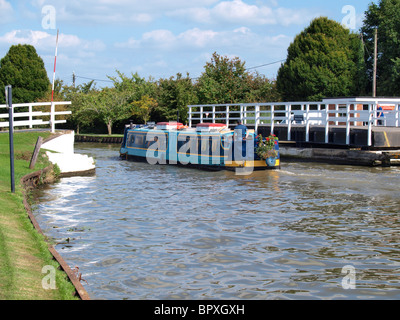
x=215, y=144
x=139, y=140
x=131, y=141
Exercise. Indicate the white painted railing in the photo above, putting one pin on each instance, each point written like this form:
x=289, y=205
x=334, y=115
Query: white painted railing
x=33, y=118
x=347, y=112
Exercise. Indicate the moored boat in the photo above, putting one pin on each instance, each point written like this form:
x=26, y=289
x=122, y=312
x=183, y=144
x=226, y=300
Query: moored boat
x=209, y=146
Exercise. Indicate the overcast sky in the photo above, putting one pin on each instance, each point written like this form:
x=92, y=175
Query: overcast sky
x=160, y=38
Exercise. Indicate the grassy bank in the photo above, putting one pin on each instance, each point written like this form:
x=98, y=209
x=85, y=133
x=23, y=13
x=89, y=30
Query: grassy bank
x=23, y=251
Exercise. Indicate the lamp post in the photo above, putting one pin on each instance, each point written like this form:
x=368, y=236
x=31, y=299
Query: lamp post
x=8, y=90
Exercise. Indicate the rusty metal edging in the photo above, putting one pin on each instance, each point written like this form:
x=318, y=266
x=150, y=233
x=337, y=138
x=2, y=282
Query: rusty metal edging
x=80, y=290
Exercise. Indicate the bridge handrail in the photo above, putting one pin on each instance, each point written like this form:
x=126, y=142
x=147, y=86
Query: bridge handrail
x=327, y=113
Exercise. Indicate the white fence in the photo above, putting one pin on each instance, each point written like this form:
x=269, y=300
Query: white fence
x=32, y=117
x=347, y=112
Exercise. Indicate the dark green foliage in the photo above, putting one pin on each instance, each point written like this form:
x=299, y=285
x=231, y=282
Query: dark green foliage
x=323, y=61
x=385, y=17
x=173, y=96
x=25, y=71
x=224, y=80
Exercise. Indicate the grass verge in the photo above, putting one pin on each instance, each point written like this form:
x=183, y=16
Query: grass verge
x=23, y=251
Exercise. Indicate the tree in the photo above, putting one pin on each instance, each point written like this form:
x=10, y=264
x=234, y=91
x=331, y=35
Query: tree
x=109, y=105
x=79, y=97
x=223, y=81
x=323, y=61
x=143, y=107
x=135, y=87
x=174, y=95
x=385, y=17
x=262, y=89
x=22, y=68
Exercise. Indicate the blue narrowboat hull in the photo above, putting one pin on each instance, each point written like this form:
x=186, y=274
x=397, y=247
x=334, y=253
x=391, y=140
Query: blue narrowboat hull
x=200, y=149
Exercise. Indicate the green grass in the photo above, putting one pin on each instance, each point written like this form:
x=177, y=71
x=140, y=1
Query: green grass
x=24, y=251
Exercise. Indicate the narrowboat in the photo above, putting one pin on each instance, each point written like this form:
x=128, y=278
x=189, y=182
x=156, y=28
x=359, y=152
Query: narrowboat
x=211, y=146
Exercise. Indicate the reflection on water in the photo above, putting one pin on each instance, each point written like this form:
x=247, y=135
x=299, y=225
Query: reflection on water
x=138, y=231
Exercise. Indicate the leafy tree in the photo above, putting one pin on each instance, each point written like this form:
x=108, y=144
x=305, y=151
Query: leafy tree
x=135, y=87
x=323, y=61
x=385, y=17
x=79, y=97
x=109, y=105
x=174, y=95
x=224, y=80
x=262, y=89
x=143, y=107
x=22, y=68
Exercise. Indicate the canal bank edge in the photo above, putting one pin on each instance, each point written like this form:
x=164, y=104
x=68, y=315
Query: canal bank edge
x=28, y=182
x=98, y=138
x=342, y=156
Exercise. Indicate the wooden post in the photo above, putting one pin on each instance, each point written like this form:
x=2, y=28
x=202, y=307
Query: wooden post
x=36, y=153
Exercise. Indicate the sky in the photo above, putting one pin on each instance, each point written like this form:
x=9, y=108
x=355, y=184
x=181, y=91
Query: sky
x=160, y=38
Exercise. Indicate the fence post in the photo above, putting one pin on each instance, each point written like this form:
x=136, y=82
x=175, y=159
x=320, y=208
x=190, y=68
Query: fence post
x=30, y=117
x=348, y=124
x=370, y=113
x=52, y=117
x=256, y=118
x=213, y=113
x=8, y=94
x=288, y=108
x=307, y=107
x=326, y=123
x=272, y=118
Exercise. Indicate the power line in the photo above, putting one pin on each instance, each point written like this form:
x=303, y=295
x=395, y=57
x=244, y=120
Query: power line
x=264, y=65
x=256, y=67
x=91, y=79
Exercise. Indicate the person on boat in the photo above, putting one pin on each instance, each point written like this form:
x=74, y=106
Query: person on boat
x=380, y=115
x=240, y=131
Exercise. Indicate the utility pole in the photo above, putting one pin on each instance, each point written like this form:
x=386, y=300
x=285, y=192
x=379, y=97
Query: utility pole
x=375, y=63
x=73, y=79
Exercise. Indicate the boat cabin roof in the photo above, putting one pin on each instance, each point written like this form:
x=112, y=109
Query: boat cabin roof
x=211, y=125
x=177, y=126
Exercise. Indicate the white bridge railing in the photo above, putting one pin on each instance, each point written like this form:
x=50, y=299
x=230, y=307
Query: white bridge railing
x=34, y=117
x=347, y=112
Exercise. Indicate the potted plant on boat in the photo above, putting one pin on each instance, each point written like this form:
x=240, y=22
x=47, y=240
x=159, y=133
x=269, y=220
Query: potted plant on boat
x=265, y=149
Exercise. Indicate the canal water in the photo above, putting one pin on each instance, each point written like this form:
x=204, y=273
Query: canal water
x=307, y=231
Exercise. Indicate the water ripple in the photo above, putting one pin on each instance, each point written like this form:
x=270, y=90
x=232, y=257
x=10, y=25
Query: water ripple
x=138, y=231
